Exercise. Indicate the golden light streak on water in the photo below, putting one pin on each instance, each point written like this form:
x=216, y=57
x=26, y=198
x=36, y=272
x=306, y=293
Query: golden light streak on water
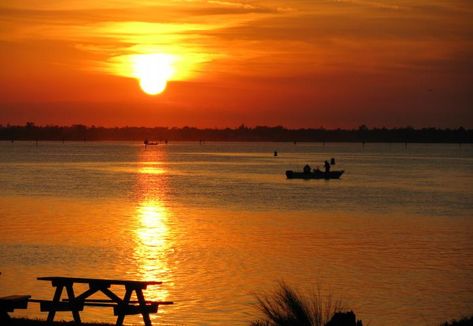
x=151, y=170
x=151, y=246
x=153, y=228
x=153, y=241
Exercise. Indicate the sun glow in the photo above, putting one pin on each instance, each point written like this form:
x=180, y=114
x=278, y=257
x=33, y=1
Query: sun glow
x=153, y=71
x=154, y=67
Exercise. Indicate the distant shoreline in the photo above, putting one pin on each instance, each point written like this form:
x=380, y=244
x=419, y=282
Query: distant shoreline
x=363, y=134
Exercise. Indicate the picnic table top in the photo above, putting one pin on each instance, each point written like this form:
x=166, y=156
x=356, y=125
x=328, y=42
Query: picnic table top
x=14, y=298
x=64, y=279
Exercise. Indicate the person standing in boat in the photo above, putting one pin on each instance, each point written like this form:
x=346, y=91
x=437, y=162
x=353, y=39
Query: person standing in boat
x=327, y=167
x=307, y=169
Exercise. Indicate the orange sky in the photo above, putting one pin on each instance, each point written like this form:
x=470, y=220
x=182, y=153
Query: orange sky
x=299, y=63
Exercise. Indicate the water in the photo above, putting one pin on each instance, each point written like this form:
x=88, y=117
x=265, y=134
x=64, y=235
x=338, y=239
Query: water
x=219, y=223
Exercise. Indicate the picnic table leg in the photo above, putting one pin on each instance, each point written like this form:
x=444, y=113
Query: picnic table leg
x=72, y=302
x=125, y=303
x=56, y=299
x=4, y=316
x=142, y=302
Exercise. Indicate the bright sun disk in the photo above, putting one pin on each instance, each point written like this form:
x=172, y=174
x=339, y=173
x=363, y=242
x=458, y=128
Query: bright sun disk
x=153, y=86
x=153, y=71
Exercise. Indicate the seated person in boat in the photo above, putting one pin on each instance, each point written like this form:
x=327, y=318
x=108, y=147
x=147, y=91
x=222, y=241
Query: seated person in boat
x=327, y=167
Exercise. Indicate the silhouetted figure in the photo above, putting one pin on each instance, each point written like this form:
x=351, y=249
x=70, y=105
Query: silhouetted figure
x=332, y=161
x=275, y=153
x=327, y=166
x=307, y=169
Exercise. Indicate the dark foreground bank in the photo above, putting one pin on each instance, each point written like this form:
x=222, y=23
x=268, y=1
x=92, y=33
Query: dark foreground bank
x=37, y=322
x=467, y=321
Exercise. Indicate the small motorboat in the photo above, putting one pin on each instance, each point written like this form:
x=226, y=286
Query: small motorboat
x=315, y=174
x=150, y=143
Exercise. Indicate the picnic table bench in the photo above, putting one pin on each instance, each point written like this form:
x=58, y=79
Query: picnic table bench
x=10, y=303
x=121, y=306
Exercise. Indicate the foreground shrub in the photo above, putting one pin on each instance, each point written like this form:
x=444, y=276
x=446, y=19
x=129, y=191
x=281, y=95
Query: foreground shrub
x=286, y=307
x=466, y=321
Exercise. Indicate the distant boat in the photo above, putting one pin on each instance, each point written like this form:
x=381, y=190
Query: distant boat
x=316, y=174
x=148, y=143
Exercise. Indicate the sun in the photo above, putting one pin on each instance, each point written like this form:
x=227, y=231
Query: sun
x=153, y=86
x=153, y=72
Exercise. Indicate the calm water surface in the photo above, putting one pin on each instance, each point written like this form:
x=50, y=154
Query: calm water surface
x=219, y=222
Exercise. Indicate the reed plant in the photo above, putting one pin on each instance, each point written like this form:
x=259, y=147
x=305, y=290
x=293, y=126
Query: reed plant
x=288, y=307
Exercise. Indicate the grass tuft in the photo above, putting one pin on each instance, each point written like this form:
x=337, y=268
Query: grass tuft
x=287, y=307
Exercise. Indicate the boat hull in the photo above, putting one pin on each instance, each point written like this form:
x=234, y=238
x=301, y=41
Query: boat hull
x=314, y=175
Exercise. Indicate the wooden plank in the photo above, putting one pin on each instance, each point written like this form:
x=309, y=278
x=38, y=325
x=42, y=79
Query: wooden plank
x=164, y=302
x=87, y=293
x=112, y=301
x=15, y=297
x=12, y=302
x=109, y=303
x=100, y=304
x=112, y=295
x=72, y=300
x=135, y=309
x=143, y=306
x=56, y=299
x=99, y=281
x=126, y=301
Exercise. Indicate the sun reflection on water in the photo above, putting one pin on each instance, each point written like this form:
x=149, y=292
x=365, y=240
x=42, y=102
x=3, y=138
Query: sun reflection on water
x=150, y=170
x=153, y=243
x=153, y=229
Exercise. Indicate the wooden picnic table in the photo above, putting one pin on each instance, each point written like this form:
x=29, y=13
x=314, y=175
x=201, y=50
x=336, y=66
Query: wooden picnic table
x=121, y=306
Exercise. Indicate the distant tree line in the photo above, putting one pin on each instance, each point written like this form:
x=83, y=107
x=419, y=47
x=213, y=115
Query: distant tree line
x=79, y=132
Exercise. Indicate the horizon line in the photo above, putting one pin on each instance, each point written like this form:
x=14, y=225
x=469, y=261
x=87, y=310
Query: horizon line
x=241, y=126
